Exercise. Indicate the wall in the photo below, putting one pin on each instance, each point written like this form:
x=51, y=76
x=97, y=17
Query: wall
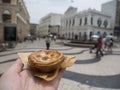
x=109, y=8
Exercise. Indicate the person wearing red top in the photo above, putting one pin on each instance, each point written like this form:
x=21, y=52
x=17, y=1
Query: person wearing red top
x=99, y=46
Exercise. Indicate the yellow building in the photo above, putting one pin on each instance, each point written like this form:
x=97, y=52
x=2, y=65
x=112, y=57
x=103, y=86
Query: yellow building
x=14, y=20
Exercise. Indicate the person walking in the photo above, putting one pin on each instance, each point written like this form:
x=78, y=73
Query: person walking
x=48, y=41
x=99, y=46
x=55, y=38
x=109, y=45
x=104, y=44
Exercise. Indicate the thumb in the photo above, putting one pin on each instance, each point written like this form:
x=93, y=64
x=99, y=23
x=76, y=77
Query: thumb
x=17, y=66
x=58, y=78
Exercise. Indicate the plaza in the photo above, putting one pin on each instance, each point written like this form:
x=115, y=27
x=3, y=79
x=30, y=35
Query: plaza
x=88, y=72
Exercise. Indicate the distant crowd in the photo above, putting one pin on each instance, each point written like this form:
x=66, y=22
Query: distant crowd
x=103, y=46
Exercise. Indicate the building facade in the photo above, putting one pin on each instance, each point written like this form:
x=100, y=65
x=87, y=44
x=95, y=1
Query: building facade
x=112, y=8
x=33, y=29
x=81, y=25
x=50, y=24
x=14, y=20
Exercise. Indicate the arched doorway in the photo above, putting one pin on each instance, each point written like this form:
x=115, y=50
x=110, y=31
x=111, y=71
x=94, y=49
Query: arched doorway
x=9, y=33
x=72, y=35
x=79, y=35
x=90, y=35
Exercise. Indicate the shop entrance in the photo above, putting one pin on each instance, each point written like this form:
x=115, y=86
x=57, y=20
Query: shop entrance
x=10, y=33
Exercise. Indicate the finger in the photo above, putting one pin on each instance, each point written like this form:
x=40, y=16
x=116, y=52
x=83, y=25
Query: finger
x=54, y=83
x=17, y=66
x=60, y=74
x=58, y=78
x=26, y=73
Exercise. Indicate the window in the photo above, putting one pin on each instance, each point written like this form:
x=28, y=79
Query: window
x=85, y=21
x=73, y=22
x=6, y=1
x=80, y=22
x=6, y=16
x=85, y=36
x=69, y=35
x=79, y=35
x=105, y=23
x=76, y=37
x=70, y=23
x=91, y=20
x=99, y=22
x=72, y=35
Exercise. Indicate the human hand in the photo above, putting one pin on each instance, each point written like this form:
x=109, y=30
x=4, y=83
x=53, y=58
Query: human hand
x=16, y=79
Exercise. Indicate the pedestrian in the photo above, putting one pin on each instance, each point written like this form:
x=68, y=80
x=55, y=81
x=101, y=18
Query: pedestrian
x=55, y=37
x=99, y=46
x=31, y=38
x=48, y=41
x=109, y=45
x=94, y=47
x=104, y=44
x=38, y=37
x=62, y=38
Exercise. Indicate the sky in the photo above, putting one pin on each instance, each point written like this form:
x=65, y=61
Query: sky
x=40, y=8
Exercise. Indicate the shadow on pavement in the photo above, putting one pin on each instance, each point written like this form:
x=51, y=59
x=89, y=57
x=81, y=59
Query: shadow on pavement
x=88, y=61
x=75, y=53
x=15, y=52
x=112, y=82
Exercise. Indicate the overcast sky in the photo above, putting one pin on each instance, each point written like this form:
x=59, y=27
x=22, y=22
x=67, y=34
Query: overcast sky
x=40, y=8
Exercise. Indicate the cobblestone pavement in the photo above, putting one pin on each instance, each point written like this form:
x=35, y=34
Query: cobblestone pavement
x=88, y=73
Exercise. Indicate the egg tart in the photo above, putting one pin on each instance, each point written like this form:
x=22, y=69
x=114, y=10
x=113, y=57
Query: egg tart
x=46, y=64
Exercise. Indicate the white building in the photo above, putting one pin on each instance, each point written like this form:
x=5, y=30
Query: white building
x=74, y=24
x=50, y=24
x=81, y=25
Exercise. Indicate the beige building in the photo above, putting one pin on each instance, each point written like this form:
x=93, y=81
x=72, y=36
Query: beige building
x=49, y=24
x=33, y=29
x=112, y=8
x=14, y=20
